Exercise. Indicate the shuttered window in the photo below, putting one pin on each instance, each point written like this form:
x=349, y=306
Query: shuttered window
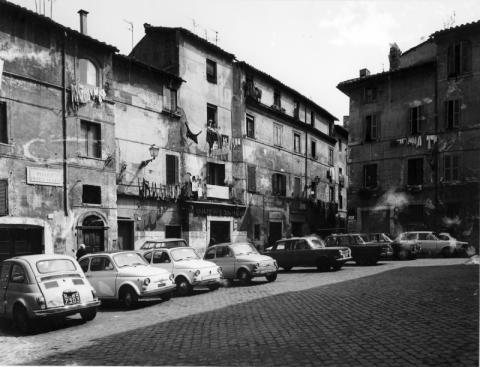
x=371, y=128
x=416, y=115
x=90, y=139
x=459, y=58
x=279, y=184
x=451, y=167
x=452, y=114
x=172, y=169
x=252, y=184
x=3, y=197
x=370, y=175
x=415, y=171
x=3, y=123
x=216, y=174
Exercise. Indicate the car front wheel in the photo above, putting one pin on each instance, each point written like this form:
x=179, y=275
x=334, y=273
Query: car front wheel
x=88, y=315
x=166, y=296
x=271, y=277
x=214, y=287
x=244, y=276
x=21, y=320
x=129, y=298
x=184, y=288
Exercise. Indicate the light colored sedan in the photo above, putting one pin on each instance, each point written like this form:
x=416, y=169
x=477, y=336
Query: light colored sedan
x=429, y=243
x=461, y=247
x=41, y=286
x=242, y=261
x=187, y=267
x=125, y=276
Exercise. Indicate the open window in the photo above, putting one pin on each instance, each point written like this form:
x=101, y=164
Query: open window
x=88, y=73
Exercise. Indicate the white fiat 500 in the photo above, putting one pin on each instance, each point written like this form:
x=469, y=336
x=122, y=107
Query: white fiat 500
x=125, y=276
x=188, y=268
x=40, y=286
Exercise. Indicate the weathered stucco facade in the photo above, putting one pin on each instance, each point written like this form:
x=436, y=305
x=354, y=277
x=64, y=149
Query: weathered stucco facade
x=414, y=154
x=45, y=164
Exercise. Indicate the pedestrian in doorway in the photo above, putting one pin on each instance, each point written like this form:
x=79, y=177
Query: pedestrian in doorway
x=82, y=250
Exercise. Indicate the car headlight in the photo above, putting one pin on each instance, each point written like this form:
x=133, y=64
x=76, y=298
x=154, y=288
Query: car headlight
x=219, y=270
x=255, y=266
x=196, y=274
x=146, y=281
x=172, y=277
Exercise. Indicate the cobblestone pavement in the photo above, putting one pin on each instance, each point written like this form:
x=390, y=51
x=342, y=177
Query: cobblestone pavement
x=421, y=312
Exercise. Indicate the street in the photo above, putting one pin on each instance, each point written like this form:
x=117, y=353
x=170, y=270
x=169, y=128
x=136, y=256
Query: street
x=421, y=312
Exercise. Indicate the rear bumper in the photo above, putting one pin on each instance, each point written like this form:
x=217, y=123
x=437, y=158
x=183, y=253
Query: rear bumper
x=66, y=310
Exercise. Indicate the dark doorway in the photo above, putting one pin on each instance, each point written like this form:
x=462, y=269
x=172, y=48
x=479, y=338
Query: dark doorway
x=173, y=232
x=93, y=230
x=219, y=232
x=125, y=234
x=275, y=232
x=297, y=229
x=20, y=240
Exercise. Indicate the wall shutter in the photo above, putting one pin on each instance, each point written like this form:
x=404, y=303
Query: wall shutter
x=3, y=197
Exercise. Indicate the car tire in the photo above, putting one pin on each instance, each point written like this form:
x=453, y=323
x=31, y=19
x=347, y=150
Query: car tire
x=404, y=255
x=446, y=252
x=244, y=276
x=287, y=268
x=214, y=287
x=323, y=264
x=336, y=267
x=166, y=296
x=271, y=277
x=129, y=298
x=470, y=251
x=21, y=320
x=88, y=315
x=184, y=288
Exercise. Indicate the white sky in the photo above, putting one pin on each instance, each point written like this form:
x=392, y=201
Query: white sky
x=309, y=45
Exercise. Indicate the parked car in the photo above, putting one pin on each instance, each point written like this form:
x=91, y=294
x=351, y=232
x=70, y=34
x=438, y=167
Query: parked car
x=461, y=248
x=41, y=286
x=306, y=252
x=380, y=239
x=363, y=253
x=242, y=261
x=187, y=266
x=429, y=243
x=149, y=244
x=125, y=276
x=405, y=247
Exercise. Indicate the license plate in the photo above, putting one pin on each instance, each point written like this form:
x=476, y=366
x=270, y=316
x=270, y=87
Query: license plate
x=71, y=298
x=161, y=285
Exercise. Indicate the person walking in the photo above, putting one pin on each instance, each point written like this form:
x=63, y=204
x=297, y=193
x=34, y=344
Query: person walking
x=81, y=251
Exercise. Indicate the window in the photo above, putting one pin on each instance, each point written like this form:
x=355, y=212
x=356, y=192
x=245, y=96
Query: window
x=251, y=179
x=451, y=167
x=216, y=174
x=277, y=134
x=371, y=128
x=296, y=109
x=301, y=245
x=3, y=197
x=340, y=200
x=160, y=257
x=297, y=187
x=370, y=175
x=100, y=264
x=84, y=265
x=296, y=143
x=277, y=99
x=87, y=72
x=210, y=254
x=370, y=95
x=330, y=156
x=313, y=149
x=148, y=257
x=3, y=123
x=452, y=114
x=331, y=194
x=459, y=58
x=211, y=115
x=256, y=231
x=90, y=139
x=250, y=126
x=223, y=251
x=312, y=118
x=172, y=169
x=18, y=274
x=91, y=194
x=416, y=120
x=211, y=71
x=279, y=184
x=170, y=99
x=415, y=171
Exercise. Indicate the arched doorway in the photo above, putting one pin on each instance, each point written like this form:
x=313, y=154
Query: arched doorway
x=93, y=231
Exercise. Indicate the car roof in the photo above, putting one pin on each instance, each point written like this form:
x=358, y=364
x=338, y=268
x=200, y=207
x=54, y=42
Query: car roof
x=110, y=253
x=37, y=257
x=164, y=240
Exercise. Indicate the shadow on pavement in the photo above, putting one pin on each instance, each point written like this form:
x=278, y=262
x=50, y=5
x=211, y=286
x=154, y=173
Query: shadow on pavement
x=407, y=316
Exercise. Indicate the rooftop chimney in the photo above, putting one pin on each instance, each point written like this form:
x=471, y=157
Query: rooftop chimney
x=394, y=56
x=364, y=72
x=83, y=21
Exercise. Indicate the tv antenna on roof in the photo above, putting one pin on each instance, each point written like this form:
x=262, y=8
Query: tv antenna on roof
x=130, y=28
x=205, y=31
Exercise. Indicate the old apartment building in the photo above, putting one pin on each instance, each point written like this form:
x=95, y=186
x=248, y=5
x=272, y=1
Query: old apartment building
x=179, y=139
x=57, y=147
x=414, y=132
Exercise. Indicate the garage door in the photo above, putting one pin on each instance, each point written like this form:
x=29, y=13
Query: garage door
x=19, y=240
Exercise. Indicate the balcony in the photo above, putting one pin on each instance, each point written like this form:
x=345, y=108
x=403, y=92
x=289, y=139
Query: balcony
x=218, y=192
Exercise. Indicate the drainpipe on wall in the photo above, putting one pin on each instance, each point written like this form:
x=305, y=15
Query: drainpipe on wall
x=435, y=149
x=64, y=127
x=306, y=153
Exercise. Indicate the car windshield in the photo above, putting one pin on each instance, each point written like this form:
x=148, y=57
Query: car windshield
x=243, y=249
x=442, y=236
x=364, y=237
x=128, y=259
x=184, y=253
x=385, y=238
x=55, y=265
x=317, y=243
x=357, y=239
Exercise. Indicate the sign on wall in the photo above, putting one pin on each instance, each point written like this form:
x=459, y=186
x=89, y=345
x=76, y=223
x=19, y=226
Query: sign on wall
x=44, y=176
